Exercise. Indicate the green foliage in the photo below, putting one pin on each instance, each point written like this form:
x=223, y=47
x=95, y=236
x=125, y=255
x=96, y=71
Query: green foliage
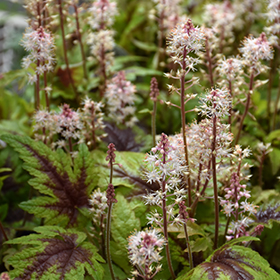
x=55, y=253
x=65, y=188
x=232, y=262
x=124, y=222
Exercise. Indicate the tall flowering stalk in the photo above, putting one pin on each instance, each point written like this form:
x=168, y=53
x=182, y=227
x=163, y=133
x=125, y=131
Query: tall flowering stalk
x=101, y=39
x=154, y=95
x=184, y=40
x=237, y=208
x=98, y=202
x=93, y=119
x=110, y=200
x=144, y=249
x=215, y=105
x=79, y=35
x=231, y=72
x=165, y=167
x=120, y=96
x=221, y=17
x=167, y=13
x=273, y=31
x=253, y=51
x=62, y=15
x=40, y=44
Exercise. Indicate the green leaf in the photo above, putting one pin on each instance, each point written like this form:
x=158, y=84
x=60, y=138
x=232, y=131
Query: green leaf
x=66, y=188
x=201, y=244
x=233, y=262
x=144, y=46
x=193, y=229
x=123, y=223
x=145, y=111
x=55, y=253
x=274, y=159
x=3, y=211
x=128, y=175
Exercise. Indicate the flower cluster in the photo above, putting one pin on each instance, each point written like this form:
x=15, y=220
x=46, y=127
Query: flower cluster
x=69, y=123
x=166, y=167
x=120, y=96
x=235, y=206
x=216, y=103
x=154, y=89
x=168, y=13
x=273, y=16
x=200, y=150
x=221, y=17
x=101, y=38
x=144, y=249
x=101, y=46
x=185, y=39
x=98, y=201
x=93, y=120
x=230, y=69
x=102, y=13
x=40, y=44
x=254, y=50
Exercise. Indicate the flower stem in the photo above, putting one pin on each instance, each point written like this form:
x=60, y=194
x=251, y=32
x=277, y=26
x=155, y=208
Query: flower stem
x=188, y=246
x=246, y=107
x=65, y=48
x=3, y=232
x=183, y=123
x=108, y=228
x=165, y=225
x=80, y=40
x=215, y=186
x=154, y=123
x=46, y=92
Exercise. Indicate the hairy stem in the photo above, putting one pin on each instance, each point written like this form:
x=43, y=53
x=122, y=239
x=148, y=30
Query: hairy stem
x=230, y=108
x=154, y=123
x=188, y=246
x=168, y=256
x=3, y=232
x=46, y=92
x=246, y=107
x=271, y=76
x=108, y=229
x=209, y=62
x=80, y=40
x=65, y=48
x=183, y=123
x=194, y=204
x=215, y=186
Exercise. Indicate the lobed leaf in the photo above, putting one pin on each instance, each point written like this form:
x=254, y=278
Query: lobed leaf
x=233, y=262
x=66, y=189
x=55, y=253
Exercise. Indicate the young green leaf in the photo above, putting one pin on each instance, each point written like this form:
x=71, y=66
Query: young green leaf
x=55, y=253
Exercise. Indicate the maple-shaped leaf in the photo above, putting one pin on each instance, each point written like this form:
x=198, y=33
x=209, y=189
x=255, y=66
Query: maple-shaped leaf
x=233, y=262
x=65, y=186
x=55, y=253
